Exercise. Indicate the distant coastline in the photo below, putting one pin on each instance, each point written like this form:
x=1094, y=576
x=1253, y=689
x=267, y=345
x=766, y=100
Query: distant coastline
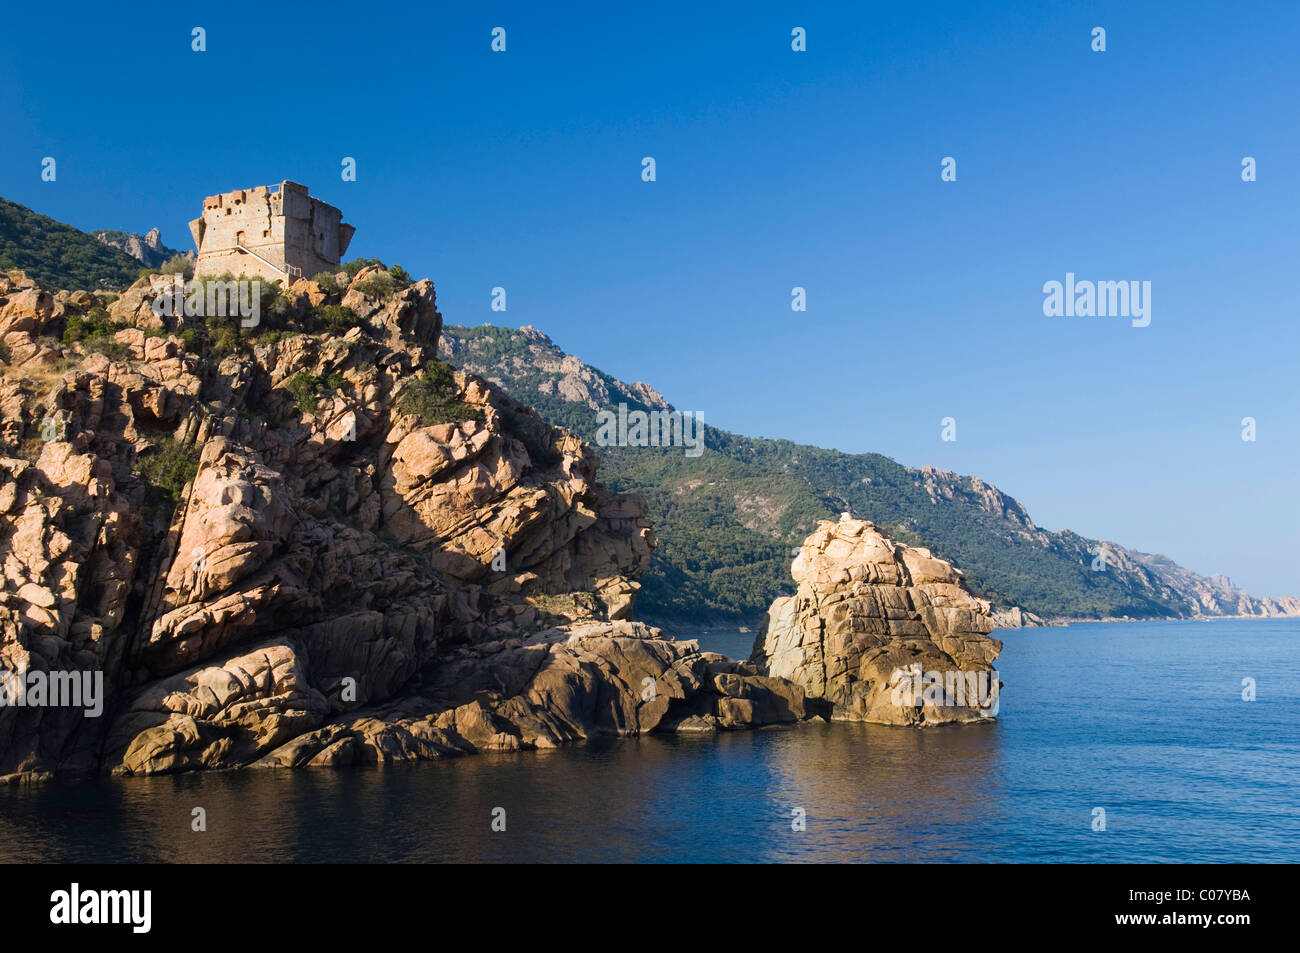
x=690, y=629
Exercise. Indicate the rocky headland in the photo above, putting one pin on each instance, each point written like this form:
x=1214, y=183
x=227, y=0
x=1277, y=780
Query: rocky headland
x=311, y=543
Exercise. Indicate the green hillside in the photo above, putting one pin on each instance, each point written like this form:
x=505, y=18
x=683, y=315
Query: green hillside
x=60, y=256
x=728, y=520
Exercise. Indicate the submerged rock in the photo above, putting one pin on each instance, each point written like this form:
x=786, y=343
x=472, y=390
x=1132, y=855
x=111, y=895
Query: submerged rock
x=883, y=632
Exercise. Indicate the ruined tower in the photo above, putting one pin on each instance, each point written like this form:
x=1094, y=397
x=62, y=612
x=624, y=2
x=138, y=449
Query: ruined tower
x=273, y=232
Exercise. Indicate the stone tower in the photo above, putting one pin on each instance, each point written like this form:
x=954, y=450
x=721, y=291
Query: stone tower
x=272, y=232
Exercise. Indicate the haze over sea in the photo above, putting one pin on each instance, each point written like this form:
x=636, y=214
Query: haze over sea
x=1144, y=720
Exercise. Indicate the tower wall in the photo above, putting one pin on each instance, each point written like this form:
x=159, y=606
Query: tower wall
x=258, y=232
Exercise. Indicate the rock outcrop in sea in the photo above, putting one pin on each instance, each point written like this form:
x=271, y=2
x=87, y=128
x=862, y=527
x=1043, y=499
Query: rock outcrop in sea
x=881, y=632
x=310, y=543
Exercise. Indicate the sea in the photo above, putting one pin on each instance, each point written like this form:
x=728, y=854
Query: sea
x=1114, y=742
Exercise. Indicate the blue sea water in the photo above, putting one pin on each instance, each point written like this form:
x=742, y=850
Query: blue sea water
x=1144, y=721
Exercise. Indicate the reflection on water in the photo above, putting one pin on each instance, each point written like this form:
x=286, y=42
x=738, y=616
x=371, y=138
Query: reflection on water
x=728, y=798
x=1092, y=716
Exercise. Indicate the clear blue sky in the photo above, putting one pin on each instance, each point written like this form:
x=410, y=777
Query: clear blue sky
x=777, y=169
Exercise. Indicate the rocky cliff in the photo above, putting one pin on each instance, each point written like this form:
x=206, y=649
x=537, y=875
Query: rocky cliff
x=308, y=542
x=882, y=632
x=147, y=249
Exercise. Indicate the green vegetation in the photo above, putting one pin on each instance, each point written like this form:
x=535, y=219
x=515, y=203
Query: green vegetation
x=727, y=521
x=166, y=469
x=178, y=265
x=94, y=332
x=96, y=322
x=327, y=280
x=556, y=609
x=380, y=286
x=351, y=268
x=5, y=355
x=58, y=255
x=307, y=389
x=432, y=398
x=335, y=319
x=219, y=335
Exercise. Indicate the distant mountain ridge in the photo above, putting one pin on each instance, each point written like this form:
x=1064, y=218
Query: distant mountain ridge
x=726, y=522
x=147, y=249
